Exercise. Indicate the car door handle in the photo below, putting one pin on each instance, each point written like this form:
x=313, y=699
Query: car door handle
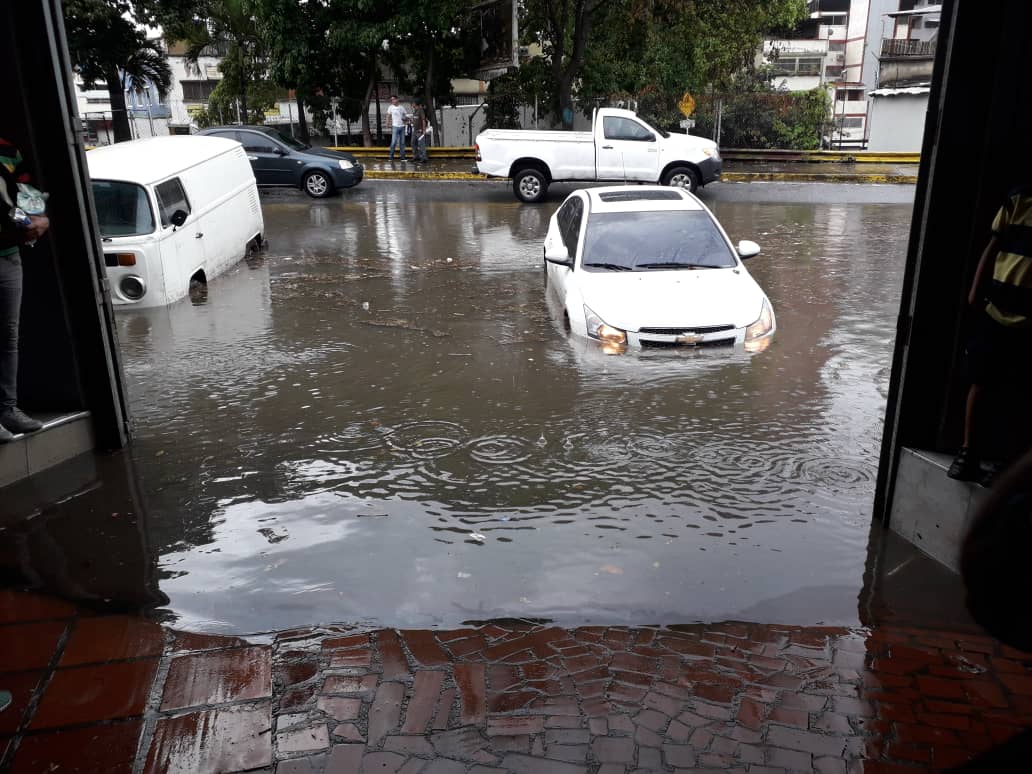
x=199, y=234
x=607, y=147
x=653, y=150
x=252, y=158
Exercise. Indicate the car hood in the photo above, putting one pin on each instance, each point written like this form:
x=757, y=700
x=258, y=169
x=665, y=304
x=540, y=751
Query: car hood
x=671, y=299
x=688, y=142
x=326, y=153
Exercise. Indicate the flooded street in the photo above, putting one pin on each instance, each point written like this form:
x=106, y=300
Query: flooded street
x=380, y=421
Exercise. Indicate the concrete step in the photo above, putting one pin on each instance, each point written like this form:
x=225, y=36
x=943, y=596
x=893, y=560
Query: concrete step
x=63, y=436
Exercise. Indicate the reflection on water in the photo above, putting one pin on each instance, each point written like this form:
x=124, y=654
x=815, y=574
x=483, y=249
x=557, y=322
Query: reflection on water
x=380, y=421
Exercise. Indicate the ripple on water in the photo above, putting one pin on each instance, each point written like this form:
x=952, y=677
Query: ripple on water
x=426, y=439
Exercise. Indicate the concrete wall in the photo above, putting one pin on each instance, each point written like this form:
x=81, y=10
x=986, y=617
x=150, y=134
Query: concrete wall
x=897, y=123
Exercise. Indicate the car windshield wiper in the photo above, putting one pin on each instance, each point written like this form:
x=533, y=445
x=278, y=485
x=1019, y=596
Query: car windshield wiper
x=611, y=266
x=673, y=265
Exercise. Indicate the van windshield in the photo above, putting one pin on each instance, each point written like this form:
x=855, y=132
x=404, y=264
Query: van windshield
x=123, y=209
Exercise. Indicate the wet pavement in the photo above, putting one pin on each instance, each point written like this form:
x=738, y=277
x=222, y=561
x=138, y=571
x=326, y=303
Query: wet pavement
x=379, y=421
x=452, y=165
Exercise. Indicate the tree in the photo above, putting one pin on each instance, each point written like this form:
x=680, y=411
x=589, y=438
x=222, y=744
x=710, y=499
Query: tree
x=203, y=23
x=106, y=46
x=563, y=28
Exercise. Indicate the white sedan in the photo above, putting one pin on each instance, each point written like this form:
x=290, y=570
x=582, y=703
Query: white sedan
x=647, y=266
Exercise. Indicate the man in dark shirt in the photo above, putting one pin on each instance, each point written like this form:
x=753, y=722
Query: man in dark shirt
x=419, y=137
x=16, y=230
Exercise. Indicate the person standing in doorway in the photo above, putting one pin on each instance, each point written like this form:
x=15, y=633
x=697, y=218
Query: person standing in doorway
x=396, y=120
x=16, y=230
x=999, y=349
x=419, y=136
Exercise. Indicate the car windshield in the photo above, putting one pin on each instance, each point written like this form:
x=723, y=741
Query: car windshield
x=286, y=139
x=123, y=209
x=647, y=241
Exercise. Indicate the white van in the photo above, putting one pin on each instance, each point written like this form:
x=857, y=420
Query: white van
x=172, y=210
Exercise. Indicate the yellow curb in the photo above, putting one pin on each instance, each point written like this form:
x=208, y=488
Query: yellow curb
x=815, y=177
x=858, y=157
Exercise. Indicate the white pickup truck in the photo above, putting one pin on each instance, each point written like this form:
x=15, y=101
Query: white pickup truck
x=620, y=147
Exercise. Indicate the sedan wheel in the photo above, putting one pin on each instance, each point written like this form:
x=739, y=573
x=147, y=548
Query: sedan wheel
x=317, y=185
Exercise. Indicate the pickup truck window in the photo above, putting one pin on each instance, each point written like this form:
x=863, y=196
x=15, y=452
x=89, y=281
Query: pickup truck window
x=619, y=128
x=651, y=241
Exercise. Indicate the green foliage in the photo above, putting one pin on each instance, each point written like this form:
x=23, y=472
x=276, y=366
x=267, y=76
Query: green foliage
x=106, y=45
x=530, y=84
x=755, y=116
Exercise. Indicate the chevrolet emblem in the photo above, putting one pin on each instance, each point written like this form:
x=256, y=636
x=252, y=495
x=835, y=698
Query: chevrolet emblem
x=689, y=338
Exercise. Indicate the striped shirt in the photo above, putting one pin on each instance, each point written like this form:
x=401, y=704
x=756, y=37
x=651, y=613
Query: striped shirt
x=1010, y=295
x=11, y=159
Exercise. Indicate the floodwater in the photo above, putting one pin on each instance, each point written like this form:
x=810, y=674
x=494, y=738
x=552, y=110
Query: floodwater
x=379, y=421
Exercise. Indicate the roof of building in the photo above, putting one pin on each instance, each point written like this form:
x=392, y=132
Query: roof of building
x=913, y=91
x=154, y=159
x=923, y=11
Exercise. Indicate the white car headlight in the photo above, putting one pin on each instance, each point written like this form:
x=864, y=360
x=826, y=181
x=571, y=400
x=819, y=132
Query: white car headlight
x=599, y=330
x=713, y=153
x=345, y=164
x=760, y=330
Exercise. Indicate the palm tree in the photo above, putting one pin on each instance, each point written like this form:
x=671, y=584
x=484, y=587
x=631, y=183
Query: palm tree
x=106, y=46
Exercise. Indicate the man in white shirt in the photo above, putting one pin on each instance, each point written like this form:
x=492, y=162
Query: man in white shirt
x=396, y=120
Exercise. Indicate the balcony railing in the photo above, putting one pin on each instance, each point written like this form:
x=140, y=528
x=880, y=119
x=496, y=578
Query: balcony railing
x=895, y=47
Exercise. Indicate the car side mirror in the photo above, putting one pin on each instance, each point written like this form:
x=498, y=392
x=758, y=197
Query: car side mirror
x=279, y=151
x=178, y=218
x=559, y=255
x=747, y=249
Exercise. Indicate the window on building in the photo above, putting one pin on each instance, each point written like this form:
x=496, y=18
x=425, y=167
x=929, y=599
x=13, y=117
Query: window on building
x=836, y=45
x=852, y=122
x=849, y=95
x=833, y=71
x=796, y=65
x=198, y=91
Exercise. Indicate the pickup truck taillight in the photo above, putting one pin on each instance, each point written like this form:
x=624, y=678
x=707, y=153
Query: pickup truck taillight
x=477, y=149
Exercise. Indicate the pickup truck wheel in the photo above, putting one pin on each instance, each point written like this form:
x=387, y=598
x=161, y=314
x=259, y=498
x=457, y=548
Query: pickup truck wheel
x=317, y=184
x=682, y=177
x=530, y=185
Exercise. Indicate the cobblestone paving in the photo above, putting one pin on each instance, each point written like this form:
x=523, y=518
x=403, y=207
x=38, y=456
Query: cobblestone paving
x=120, y=694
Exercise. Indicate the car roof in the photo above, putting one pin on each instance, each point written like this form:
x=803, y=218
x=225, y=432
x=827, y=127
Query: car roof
x=640, y=198
x=155, y=158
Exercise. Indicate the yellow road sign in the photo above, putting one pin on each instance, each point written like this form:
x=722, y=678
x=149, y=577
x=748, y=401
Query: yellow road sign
x=687, y=104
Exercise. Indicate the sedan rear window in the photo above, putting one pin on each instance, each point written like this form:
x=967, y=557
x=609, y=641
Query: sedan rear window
x=123, y=209
x=646, y=241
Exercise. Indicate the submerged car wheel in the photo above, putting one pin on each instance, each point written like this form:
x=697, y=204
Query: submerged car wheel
x=530, y=185
x=682, y=177
x=317, y=185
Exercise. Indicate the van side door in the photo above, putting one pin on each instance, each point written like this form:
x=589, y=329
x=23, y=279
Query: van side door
x=182, y=247
x=626, y=149
x=269, y=159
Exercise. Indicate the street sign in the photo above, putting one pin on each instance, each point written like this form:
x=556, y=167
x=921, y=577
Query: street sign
x=686, y=105
x=687, y=123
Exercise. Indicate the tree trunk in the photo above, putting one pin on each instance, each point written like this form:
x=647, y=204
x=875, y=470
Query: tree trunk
x=564, y=90
x=302, y=122
x=428, y=94
x=119, y=114
x=367, y=134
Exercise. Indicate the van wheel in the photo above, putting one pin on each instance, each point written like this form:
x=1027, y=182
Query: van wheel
x=682, y=177
x=530, y=185
x=317, y=184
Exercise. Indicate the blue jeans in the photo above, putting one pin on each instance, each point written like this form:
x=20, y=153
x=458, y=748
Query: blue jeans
x=10, y=311
x=397, y=141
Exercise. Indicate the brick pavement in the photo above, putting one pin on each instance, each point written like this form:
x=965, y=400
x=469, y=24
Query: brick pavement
x=121, y=694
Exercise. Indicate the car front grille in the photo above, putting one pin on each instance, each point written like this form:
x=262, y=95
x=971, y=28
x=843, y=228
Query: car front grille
x=682, y=331
x=646, y=343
